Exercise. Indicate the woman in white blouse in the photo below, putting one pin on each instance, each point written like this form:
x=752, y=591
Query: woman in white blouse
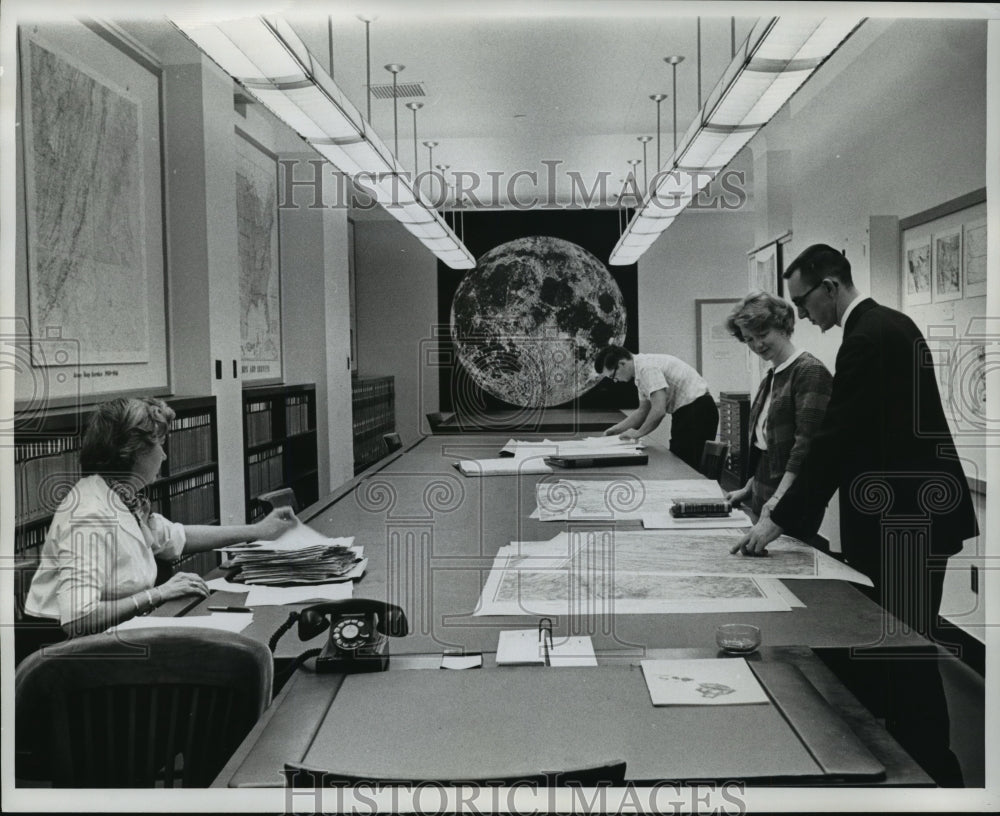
x=98, y=564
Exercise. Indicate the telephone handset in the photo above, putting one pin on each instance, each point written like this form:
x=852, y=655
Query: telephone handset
x=360, y=629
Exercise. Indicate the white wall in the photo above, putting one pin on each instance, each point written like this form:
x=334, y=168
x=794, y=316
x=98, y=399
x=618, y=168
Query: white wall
x=396, y=291
x=701, y=255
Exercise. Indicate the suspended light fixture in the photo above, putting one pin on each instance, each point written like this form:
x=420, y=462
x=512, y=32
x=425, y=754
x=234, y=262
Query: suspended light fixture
x=674, y=61
x=415, y=106
x=658, y=98
x=777, y=57
x=267, y=57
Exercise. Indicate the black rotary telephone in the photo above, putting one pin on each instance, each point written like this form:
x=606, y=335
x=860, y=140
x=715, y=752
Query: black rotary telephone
x=360, y=629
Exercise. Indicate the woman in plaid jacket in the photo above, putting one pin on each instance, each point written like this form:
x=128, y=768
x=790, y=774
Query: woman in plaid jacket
x=789, y=404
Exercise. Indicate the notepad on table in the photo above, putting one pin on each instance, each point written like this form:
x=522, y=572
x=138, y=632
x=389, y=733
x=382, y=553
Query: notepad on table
x=520, y=647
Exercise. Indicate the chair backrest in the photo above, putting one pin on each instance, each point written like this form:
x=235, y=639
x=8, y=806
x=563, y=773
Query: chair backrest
x=611, y=773
x=435, y=418
x=139, y=708
x=392, y=442
x=713, y=459
x=282, y=497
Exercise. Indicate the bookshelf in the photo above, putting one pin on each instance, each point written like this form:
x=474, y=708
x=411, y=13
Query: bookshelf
x=373, y=405
x=279, y=434
x=734, y=414
x=46, y=465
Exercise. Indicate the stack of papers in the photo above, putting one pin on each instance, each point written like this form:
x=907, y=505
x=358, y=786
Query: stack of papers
x=527, y=463
x=300, y=556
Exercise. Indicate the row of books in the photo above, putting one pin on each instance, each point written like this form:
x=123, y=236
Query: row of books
x=190, y=442
x=258, y=422
x=43, y=471
x=296, y=414
x=265, y=470
x=192, y=500
x=374, y=414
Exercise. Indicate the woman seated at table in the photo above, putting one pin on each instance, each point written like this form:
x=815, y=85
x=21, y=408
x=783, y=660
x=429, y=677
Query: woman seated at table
x=97, y=567
x=789, y=404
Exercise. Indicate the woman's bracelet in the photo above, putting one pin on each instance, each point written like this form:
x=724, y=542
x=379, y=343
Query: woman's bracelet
x=135, y=603
x=149, y=597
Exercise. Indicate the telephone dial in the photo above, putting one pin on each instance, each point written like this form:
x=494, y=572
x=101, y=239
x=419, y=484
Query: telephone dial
x=359, y=632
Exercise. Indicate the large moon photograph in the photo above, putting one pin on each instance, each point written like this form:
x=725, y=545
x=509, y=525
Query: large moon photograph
x=528, y=321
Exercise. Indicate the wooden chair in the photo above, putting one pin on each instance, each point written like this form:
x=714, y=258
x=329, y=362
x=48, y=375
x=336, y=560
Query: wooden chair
x=392, y=442
x=607, y=773
x=142, y=708
x=713, y=459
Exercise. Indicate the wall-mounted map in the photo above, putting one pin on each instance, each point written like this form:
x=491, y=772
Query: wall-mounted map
x=89, y=289
x=87, y=275
x=260, y=282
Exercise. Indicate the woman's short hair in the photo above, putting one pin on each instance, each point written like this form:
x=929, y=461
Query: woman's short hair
x=120, y=430
x=758, y=312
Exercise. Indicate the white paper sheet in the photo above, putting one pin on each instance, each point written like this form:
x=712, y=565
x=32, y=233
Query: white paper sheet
x=279, y=596
x=224, y=621
x=712, y=681
x=575, y=651
x=504, y=466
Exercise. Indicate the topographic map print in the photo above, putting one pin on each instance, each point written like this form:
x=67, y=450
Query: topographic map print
x=620, y=499
x=87, y=276
x=260, y=304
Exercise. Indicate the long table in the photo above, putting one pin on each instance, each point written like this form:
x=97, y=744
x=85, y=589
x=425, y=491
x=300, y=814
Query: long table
x=431, y=534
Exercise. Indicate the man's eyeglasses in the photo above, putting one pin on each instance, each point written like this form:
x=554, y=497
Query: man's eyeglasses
x=800, y=301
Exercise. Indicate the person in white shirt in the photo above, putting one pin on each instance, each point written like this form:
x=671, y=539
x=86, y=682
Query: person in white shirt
x=666, y=385
x=98, y=564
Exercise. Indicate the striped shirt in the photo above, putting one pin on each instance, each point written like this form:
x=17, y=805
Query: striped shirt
x=657, y=371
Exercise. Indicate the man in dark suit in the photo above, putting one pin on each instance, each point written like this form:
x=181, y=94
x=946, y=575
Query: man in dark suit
x=905, y=501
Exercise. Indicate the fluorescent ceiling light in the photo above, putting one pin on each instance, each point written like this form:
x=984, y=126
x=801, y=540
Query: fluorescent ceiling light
x=267, y=57
x=777, y=57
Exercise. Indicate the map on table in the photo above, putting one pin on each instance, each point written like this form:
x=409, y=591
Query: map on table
x=621, y=499
x=615, y=572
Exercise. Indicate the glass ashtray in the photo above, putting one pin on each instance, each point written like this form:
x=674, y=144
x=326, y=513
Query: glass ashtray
x=737, y=638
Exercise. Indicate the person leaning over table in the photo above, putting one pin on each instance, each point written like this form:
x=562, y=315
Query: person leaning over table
x=98, y=563
x=789, y=404
x=666, y=385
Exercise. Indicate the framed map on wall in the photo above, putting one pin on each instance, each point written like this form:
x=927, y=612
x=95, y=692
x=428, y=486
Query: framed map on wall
x=90, y=282
x=260, y=274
